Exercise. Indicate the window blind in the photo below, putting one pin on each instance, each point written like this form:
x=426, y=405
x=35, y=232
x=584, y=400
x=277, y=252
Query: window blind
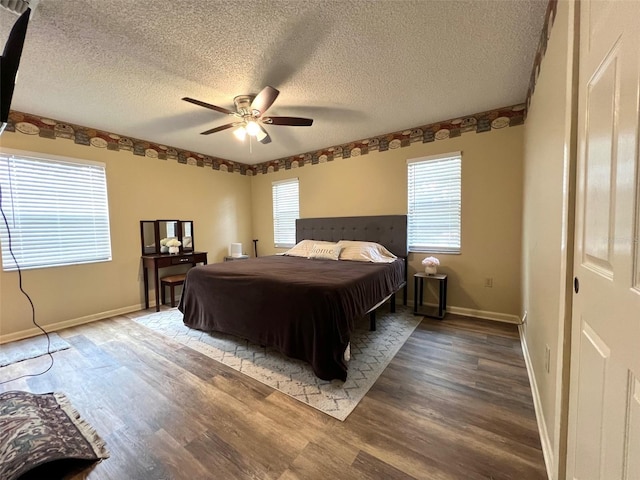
x=57, y=212
x=286, y=210
x=434, y=198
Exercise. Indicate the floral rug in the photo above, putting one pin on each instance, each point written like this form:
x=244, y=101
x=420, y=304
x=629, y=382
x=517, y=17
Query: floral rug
x=41, y=433
x=371, y=352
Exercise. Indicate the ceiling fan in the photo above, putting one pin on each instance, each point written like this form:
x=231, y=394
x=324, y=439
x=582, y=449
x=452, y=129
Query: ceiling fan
x=250, y=114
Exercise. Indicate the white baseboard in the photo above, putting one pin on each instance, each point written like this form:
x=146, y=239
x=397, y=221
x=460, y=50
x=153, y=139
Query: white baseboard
x=52, y=327
x=547, y=451
x=469, y=312
x=496, y=316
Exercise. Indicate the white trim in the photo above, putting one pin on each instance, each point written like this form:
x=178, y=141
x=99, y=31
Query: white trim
x=52, y=327
x=547, y=450
x=49, y=157
x=485, y=315
x=482, y=314
x=435, y=157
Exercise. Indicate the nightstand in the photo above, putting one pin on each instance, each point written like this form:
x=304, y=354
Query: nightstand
x=418, y=294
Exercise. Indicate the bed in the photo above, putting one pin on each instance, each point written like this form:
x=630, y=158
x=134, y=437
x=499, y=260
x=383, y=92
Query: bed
x=304, y=308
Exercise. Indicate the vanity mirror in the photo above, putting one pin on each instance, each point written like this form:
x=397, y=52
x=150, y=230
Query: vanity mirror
x=154, y=235
x=147, y=236
x=186, y=235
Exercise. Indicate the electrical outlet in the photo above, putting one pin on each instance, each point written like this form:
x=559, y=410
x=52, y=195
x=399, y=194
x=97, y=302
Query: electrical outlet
x=547, y=358
x=488, y=282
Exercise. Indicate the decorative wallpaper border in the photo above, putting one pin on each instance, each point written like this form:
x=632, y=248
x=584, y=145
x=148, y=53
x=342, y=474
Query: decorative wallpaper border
x=478, y=123
x=549, y=19
x=30, y=124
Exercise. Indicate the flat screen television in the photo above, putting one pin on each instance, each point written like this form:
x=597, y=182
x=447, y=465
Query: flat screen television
x=10, y=63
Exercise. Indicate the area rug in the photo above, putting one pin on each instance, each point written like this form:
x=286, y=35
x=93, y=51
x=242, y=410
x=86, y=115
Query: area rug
x=38, y=432
x=371, y=352
x=30, y=348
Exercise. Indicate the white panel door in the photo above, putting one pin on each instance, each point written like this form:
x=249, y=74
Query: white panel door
x=604, y=418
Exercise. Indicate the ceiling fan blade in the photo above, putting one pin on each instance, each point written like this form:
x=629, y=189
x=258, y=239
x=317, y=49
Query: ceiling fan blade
x=266, y=139
x=291, y=121
x=208, y=105
x=219, y=129
x=264, y=99
x=262, y=136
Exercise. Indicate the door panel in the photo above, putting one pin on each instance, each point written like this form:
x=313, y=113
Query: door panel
x=594, y=354
x=632, y=447
x=600, y=166
x=604, y=407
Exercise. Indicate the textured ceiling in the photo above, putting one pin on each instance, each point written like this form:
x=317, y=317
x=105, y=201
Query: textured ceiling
x=358, y=68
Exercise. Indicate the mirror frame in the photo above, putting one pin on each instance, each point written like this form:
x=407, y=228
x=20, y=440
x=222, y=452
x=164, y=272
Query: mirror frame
x=157, y=237
x=181, y=236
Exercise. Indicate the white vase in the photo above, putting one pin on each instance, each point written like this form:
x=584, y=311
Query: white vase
x=174, y=250
x=429, y=270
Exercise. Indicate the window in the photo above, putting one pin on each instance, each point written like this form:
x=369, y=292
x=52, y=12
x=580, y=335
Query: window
x=434, y=189
x=285, y=212
x=57, y=212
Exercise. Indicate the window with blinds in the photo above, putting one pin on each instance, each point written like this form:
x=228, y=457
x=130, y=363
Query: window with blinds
x=286, y=210
x=57, y=212
x=434, y=198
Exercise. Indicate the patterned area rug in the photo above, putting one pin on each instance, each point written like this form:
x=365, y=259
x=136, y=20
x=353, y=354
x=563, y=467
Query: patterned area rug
x=39, y=433
x=371, y=352
x=30, y=348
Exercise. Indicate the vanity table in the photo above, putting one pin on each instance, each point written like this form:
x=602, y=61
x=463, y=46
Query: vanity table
x=157, y=261
x=154, y=237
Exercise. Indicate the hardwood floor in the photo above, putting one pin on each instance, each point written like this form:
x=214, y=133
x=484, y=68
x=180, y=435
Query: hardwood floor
x=454, y=403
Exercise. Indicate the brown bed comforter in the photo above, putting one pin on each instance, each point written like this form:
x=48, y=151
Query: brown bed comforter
x=304, y=308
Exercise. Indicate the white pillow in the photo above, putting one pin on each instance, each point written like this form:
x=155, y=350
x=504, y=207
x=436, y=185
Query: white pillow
x=326, y=252
x=365, y=252
x=304, y=247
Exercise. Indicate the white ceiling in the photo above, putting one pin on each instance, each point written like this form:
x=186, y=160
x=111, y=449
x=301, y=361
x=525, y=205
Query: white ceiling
x=359, y=68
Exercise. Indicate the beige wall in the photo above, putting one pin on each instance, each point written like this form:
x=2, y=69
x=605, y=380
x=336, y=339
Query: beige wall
x=139, y=188
x=376, y=184
x=547, y=226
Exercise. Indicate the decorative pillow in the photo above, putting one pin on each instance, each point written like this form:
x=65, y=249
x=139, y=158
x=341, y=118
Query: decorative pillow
x=365, y=252
x=304, y=247
x=326, y=252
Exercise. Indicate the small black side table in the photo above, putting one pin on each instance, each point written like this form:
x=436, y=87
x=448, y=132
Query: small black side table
x=418, y=294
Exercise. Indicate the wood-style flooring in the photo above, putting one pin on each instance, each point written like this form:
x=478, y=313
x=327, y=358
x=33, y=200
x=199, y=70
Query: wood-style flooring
x=454, y=403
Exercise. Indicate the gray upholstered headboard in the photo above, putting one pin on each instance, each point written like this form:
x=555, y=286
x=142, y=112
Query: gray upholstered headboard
x=387, y=230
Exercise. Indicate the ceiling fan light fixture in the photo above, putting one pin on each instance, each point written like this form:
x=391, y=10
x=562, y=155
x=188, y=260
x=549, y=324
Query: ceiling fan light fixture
x=249, y=115
x=240, y=133
x=253, y=128
x=261, y=135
